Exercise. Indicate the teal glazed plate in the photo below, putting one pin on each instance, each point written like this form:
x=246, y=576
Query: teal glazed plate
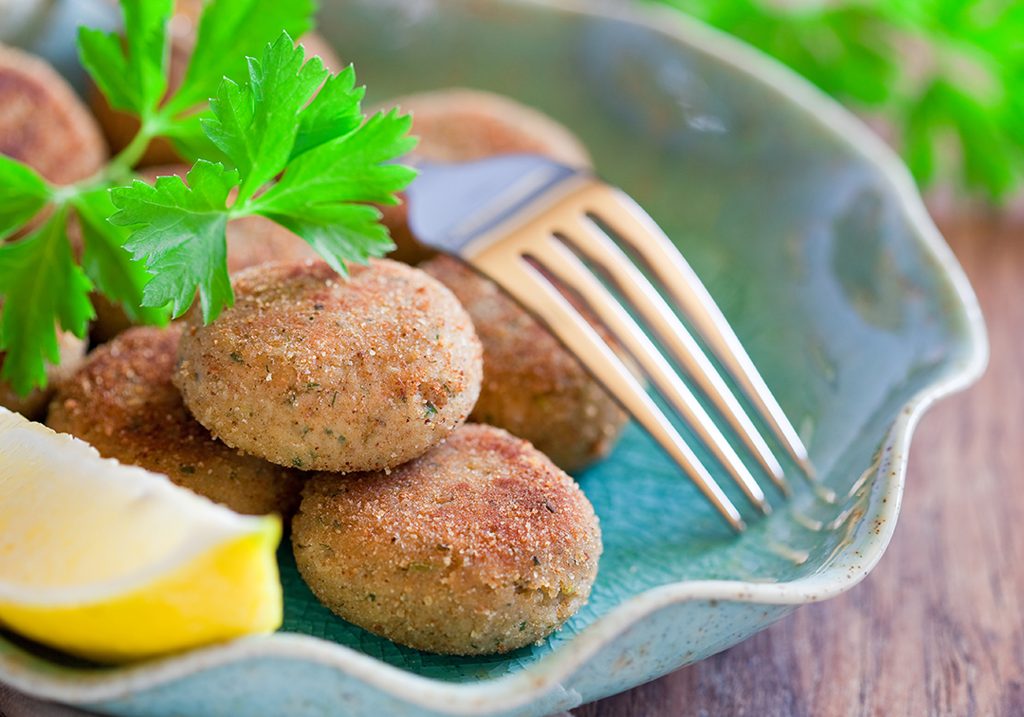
x=810, y=235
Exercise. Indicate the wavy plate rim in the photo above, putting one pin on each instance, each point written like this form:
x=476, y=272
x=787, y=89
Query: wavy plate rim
x=516, y=690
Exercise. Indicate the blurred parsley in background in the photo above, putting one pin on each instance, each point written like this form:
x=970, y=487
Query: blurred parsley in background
x=946, y=75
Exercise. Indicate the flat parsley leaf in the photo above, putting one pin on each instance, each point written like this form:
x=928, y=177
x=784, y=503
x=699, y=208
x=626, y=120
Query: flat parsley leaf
x=231, y=30
x=323, y=196
x=22, y=194
x=340, y=233
x=254, y=123
x=35, y=302
x=108, y=264
x=187, y=136
x=334, y=112
x=180, y=232
x=44, y=281
x=313, y=166
x=352, y=168
x=131, y=72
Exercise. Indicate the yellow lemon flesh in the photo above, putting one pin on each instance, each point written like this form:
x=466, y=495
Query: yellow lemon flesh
x=115, y=563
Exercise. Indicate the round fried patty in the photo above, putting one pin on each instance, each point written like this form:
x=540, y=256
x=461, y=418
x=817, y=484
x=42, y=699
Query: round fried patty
x=124, y=403
x=43, y=123
x=480, y=546
x=533, y=387
x=315, y=371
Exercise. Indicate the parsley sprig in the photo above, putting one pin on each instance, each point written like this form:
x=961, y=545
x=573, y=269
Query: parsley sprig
x=330, y=163
x=285, y=139
x=946, y=75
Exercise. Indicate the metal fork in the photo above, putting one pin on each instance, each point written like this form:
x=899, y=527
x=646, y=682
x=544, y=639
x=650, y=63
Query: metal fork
x=536, y=228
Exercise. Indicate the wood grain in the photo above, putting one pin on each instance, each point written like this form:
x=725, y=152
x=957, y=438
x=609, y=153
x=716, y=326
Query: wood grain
x=937, y=628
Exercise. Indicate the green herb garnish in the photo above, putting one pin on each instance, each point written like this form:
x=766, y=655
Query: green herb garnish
x=33, y=298
x=285, y=139
x=945, y=74
x=331, y=165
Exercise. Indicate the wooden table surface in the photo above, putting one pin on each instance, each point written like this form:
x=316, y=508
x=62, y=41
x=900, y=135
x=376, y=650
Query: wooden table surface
x=938, y=626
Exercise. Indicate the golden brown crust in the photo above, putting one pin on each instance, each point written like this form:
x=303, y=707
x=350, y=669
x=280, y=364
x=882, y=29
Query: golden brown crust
x=33, y=405
x=480, y=546
x=124, y=403
x=314, y=371
x=532, y=386
x=460, y=125
x=43, y=123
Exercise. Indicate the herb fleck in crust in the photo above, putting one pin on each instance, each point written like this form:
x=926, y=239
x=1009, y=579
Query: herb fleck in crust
x=322, y=373
x=123, y=402
x=480, y=546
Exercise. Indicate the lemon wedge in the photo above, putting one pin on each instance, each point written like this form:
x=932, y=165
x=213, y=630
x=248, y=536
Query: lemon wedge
x=114, y=563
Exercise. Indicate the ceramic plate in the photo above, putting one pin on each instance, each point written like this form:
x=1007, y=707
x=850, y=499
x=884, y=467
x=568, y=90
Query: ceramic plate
x=811, y=237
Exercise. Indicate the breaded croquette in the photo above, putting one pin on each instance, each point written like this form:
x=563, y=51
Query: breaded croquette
x=43, y=123
x=312, y=370
x=480, y=546
x=533, y=387
x=124, y=403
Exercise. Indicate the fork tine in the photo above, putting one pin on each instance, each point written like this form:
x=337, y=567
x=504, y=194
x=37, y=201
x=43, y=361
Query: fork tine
x=531, y=289
x=644, y=236
x=595, y=246
x=572, y=273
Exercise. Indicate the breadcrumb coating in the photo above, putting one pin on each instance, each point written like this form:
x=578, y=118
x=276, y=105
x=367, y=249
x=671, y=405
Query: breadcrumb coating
x=480, y=546
x=123, y=402
x=318, y=372
x=533, y=387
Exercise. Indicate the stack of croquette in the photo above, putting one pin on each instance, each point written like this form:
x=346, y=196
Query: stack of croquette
x=343, y=402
